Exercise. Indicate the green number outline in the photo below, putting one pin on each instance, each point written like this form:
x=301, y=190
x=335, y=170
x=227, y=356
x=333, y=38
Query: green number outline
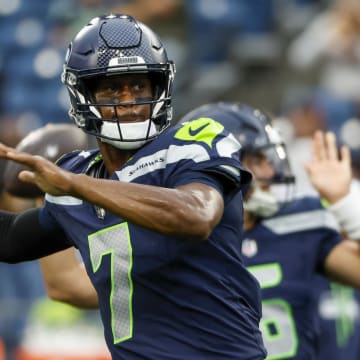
x=270, y=275
x=101, y=237
x=268, y=337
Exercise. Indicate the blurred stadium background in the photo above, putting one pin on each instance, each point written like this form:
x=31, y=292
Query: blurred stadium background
x=298, y=60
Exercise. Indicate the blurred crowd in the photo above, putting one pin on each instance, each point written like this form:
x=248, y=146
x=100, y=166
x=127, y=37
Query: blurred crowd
x=279, y=55
x=285, y=56
x=299, y=60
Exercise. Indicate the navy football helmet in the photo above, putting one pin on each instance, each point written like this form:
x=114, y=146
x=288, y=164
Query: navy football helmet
x=116, y=45
x=254, y=130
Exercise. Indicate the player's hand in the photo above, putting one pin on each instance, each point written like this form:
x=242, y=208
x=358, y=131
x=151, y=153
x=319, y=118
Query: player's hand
x=329, y=173
x=47, y=176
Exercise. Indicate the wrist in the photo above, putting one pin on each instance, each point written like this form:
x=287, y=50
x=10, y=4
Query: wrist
x=335, y=198
x=347, y=213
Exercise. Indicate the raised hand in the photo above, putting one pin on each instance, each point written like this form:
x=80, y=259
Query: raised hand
x=329, y=171
x=41, y=172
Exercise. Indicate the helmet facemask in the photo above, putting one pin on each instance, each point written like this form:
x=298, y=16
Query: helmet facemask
x=271, y=188
x=124, y=134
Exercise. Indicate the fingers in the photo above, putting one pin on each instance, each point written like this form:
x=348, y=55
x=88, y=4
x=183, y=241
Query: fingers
x=345, y=155
x=4, y=150
x=331, y=147
x=21, y=157
x=318, y=146
x=324, y=147
x=27, y=176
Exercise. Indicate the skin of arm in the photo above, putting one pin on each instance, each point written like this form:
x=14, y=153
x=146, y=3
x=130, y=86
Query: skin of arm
x=190, y=211
x=343, y=263
x=331, y=176
x=66, y=280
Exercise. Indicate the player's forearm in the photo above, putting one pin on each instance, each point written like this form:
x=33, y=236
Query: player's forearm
x=343, y=263
x=66, y=280
x=190, y=212
x=72, y=297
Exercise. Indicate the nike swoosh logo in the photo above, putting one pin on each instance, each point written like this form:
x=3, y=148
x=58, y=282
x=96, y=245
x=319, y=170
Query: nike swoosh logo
x=194, y=132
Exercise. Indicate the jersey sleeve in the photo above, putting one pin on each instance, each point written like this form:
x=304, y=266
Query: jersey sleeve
x=331, y=233
x=23, y=237
x=327, y=226
x=330, y=239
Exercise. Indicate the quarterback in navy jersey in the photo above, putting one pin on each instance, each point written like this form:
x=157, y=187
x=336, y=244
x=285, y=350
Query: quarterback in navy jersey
x=287, y=245
x=155, y=211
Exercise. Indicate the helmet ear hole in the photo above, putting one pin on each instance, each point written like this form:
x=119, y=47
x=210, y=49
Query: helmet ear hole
x=159, y=83
x=93, y=126
x=89, y=88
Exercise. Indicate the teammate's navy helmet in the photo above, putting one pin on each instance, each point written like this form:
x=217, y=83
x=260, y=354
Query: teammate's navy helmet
x=116, y=45
x=253, y=129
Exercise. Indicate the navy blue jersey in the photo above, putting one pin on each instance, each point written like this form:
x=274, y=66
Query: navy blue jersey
x=285, y=253
x=162, y=297
x=339, y=316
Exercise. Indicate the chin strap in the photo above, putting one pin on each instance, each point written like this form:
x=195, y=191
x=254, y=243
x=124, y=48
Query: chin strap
x=135, y=134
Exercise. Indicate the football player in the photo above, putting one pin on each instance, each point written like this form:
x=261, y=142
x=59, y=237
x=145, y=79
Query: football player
x=286, y=244
x=155, y=211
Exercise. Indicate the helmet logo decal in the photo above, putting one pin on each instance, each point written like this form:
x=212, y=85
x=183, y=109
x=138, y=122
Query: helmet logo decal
x=201, y=130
